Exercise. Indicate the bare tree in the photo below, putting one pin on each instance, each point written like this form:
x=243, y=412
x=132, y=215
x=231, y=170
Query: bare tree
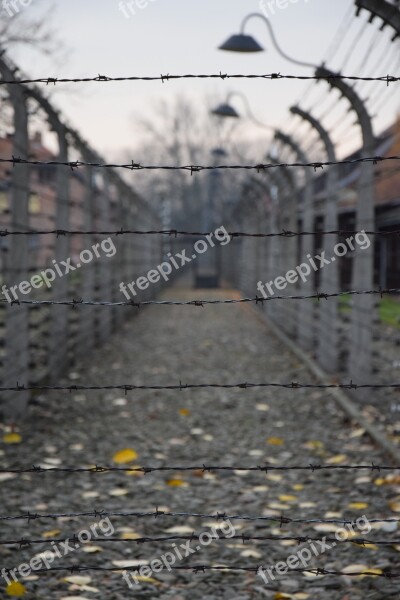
x=183, y=132
x=29, y=28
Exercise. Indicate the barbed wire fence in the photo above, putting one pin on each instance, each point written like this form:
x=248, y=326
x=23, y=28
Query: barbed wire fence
x=85, y=199
x=38, y=344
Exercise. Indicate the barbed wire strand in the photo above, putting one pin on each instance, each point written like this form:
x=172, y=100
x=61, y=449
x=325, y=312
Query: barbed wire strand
x=168, y=77
x=175, y=233
x=200, y=303
x=203, y=468
x=184, y=386
x=300, y=539
x=218, y=567
x=134, y=166
x=218, y=516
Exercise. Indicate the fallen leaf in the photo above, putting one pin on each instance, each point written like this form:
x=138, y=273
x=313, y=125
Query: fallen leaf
x=309, y=575
x=357, y=433
x=180, y=529
x=365, y=545
x=131, y=535
x=83, y=588
x=394, y=506
x=12, y=438
x=275, y=441
x=118, y=492
x=336, y=460
x=355, y=568
x=358, y=505
x=287, y=498
x=51, y=533
x=282, y=596
x=78, y=579
x=326, y=527
x=251, y=553
x=6, y=476
x=124, y=457
x=262, y=407
x=298, y=487
x=126, y=564
x=260, y=488
x=16, y=589
x=91, y=494
x=176, y=482
x=135, y=472
x=314, y=445
x=144, y=579
x=184, y=412
x=91, y=549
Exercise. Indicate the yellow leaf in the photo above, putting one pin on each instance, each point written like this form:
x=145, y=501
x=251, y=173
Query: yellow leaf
x=12, y=438
x=51, y=533
x=184, y=412
x=360, y=568
x=301, y=596
x=281, y=596
x=147, y=579
x=176, y=482
x=314, y=445
x=394, y=506
x=380, y=481
x=369, y=546
x=130, y=536
x=336, y=460
x=388, y=480
x=275, y=441
x=16, y=589
x=123, y=457
x=287, y=498
x=358, y=505
x=134, y=472
x=298, y=487
x=374, y=572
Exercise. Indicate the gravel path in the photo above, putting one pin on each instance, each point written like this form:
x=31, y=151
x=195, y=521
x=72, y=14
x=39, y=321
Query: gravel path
x=227, y=427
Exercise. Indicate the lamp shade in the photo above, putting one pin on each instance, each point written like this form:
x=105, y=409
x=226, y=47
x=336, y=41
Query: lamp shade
x=241, y=43
x=225, y=110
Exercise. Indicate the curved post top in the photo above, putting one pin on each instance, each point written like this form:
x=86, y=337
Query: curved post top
x=289, y=141
x=357, y=104
x=324, y=135
x=389, y=13
x=274, y=40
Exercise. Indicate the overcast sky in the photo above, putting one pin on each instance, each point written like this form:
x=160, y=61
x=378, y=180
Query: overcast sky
x=181, y=36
